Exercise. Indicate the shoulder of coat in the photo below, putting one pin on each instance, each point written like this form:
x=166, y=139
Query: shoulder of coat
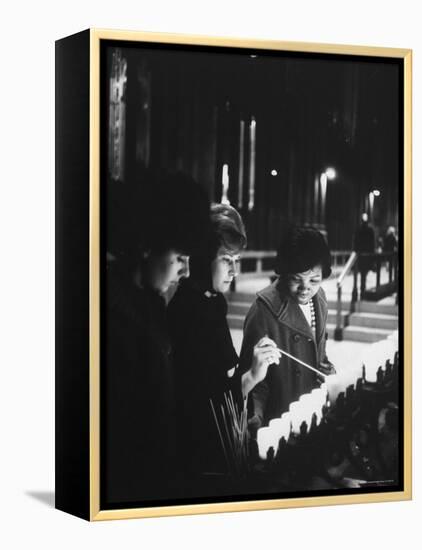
x=271, y=298
x=321, y=295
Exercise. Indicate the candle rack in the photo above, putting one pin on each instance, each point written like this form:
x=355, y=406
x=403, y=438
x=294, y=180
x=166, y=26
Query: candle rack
x=355, y=444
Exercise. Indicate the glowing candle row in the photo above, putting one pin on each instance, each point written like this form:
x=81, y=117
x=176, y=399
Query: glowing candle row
x=338, y=383
x=374, y=357
x=308, y=405
x=270, y=436
x=291, y=421
x=312, y=403
x=281, y=427
x=377, y=355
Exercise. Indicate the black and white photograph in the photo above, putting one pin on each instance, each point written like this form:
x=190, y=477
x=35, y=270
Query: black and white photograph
x=202, y=202
x=251, y=274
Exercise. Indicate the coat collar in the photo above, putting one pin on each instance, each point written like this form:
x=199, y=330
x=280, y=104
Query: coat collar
x=288, y=312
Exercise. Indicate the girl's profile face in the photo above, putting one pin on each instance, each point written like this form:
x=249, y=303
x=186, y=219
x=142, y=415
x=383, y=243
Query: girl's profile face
x=302, y=287
x=224, y=269
x=165, y=270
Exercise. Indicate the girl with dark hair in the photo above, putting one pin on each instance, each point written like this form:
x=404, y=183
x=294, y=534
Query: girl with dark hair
x=152, y=228
x=293, y=312
x=205, y=359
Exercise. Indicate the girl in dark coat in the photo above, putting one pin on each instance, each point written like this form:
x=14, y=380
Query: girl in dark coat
x=152, y=230
x=206, y=363
x=293, y=312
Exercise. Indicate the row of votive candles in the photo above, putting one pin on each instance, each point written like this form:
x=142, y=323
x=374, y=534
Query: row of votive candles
x=290, y=422
x=378, y=354
x=312, y=403
x=373, y=357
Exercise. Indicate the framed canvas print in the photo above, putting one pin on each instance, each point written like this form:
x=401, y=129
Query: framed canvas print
x=233, y=276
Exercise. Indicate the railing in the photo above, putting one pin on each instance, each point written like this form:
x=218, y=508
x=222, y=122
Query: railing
x=375, y=261
x=339, y=258
x=350, y=262
x=363, y=263
x=258, y=256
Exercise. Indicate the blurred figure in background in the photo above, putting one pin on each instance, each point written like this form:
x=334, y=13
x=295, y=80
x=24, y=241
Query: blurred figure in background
x=390, y=247
x=390, y=240
x=364, y=245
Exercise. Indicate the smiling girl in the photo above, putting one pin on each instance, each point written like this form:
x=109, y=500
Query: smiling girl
x=293, y=312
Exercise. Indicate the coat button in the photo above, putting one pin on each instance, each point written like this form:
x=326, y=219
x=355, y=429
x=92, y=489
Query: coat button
x=296, y=337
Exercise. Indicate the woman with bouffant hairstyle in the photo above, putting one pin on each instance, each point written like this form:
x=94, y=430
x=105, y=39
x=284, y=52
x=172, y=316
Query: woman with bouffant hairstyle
x=205, y=359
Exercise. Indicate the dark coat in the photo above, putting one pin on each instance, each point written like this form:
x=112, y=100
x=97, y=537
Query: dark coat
x=203, y=356
x=390, y=243
x=364, y=243
x=137, y=394
x=276, y=315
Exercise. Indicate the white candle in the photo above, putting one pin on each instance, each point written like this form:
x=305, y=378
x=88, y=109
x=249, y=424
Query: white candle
x=333, y=387
x=319, y=397
x=349, y=376
x=286, y=425
x=390, y=346
x=265, y=440
x=324, y=388
x=308, y=408
x=373, y=359
x=371, y=372
x=278, y=428
x=276, y=425
x=295, y=416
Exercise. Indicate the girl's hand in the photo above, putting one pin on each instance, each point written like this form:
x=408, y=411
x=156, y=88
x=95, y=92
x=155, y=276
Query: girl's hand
x=265, y=353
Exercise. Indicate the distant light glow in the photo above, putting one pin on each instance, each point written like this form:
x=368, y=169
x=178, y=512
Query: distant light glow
x=274, y=172
x=376, y=193
x=241, y=163
x=331, y=173
x=371, y=203
x=225, y=184
x=252, y=155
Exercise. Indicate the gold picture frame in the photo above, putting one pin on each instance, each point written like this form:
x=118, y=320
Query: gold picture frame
x=78, y=479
